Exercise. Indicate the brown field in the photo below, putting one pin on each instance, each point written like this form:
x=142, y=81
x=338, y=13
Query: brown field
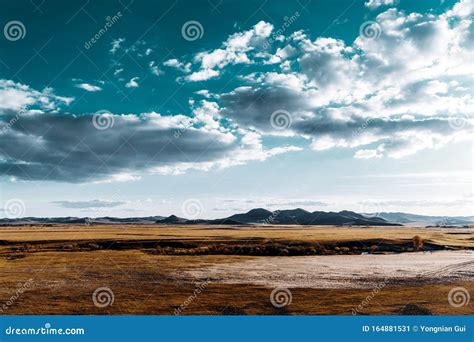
x=233, y=270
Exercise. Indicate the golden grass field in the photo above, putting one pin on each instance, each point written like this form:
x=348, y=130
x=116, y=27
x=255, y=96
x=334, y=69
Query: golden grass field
x=157, y=269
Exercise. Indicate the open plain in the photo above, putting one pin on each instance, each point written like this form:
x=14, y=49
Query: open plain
x=160, y=269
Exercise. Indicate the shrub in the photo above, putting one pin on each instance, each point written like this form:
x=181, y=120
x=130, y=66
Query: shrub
x=417, y=242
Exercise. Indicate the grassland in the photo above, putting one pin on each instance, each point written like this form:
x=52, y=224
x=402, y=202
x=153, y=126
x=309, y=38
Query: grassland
x=157, y=269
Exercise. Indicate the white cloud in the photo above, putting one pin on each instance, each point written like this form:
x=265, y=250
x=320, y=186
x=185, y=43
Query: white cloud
x=89, y=87
x=396, y=94
x=116, y=44
x=154, y=69
x=372, y=4
x=202, y=75
x=174, y=63
x=15, y=96
x=132, y=83
x=235, y=50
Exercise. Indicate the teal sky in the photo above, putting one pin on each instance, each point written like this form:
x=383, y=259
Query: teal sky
x=141, y=117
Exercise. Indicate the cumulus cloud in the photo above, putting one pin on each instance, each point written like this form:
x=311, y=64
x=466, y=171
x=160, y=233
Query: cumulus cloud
x=174, y=63
x=108, y=147
x=403, y=90
x=235, y=50
x=89, y=87
x=372, y=4
x=17, y=96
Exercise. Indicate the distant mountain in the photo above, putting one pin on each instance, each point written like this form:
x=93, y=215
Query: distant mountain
x=405, y=218
x=81, y=220
x=303, y=217
x=261, y=216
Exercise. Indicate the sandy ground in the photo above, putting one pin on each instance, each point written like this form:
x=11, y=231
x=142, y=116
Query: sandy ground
x=341, y=271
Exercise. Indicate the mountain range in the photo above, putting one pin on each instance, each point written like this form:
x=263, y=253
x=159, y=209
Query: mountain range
x=261, y=216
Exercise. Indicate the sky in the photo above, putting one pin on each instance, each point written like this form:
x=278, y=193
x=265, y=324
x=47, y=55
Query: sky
x=207, y=108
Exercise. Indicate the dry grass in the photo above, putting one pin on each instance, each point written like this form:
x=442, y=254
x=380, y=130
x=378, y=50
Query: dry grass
x=62, y=282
